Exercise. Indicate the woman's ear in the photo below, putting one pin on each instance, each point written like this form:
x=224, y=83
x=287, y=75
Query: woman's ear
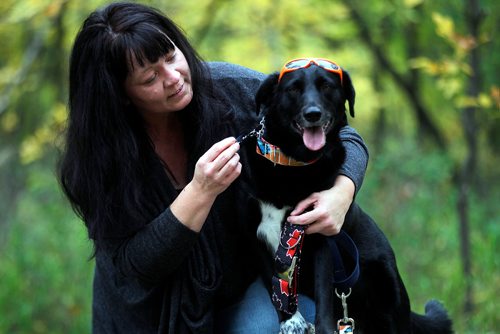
x=266, y=91
x=349, y=92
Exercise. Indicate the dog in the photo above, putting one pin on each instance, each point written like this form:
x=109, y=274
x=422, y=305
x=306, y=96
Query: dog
x=302, y=111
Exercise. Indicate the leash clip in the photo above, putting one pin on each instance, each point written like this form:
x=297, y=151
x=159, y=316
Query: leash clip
x=257, y=132
x=260, y=129
x=346, y=324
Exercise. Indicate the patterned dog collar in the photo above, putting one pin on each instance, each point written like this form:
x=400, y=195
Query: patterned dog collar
x=273, y=153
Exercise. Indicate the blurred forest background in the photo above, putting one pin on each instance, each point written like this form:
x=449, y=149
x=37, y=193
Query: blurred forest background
x=427, y=80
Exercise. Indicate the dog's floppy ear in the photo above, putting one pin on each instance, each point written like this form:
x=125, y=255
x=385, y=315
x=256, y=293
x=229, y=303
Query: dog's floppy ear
x=349, y=92
x=266, y=91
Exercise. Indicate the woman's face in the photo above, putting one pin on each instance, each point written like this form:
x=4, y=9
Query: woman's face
x=161, y=87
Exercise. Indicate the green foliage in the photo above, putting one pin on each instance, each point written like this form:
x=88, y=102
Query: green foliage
x=410, y=188
x=407, y=191
x=45, y=274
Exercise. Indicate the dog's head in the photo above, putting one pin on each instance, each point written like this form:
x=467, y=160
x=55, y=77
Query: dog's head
x=305, y=110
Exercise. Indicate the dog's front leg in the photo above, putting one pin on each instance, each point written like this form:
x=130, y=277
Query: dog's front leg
x=269, y=232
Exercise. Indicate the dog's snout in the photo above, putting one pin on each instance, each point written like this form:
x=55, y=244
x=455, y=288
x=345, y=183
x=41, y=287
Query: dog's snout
x=312, y=114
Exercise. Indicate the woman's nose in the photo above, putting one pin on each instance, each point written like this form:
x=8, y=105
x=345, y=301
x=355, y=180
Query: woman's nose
x=171, y=75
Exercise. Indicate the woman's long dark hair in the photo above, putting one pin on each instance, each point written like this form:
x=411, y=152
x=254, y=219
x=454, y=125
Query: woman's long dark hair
x=104, y=166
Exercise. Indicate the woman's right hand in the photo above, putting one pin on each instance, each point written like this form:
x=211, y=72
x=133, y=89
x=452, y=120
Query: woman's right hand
x=214, y=172
x=218, y=167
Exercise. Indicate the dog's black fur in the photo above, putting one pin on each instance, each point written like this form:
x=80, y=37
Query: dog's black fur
x=314, y=98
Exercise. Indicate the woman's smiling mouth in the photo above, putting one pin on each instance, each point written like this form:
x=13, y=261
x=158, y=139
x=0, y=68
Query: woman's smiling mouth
x=177, y=92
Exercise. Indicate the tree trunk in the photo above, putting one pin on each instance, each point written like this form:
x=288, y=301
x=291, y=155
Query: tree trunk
x=425, y=124
x=473, y=17
x=380, y=124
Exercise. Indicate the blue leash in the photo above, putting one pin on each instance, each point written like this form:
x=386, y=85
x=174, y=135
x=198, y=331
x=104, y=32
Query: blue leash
x=343, y=278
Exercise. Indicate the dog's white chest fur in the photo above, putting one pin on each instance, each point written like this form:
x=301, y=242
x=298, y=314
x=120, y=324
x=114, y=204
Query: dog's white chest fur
x=269, y=229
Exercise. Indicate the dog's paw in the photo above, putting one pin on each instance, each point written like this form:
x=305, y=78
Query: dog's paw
x=296, y=325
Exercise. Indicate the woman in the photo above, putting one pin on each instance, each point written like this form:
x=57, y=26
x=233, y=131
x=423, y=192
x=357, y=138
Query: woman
x=152, y=167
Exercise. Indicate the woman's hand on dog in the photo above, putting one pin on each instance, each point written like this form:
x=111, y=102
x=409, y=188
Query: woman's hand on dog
x=324, y=212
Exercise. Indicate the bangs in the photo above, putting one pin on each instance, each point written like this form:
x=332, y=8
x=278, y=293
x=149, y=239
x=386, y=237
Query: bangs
x=146, y=44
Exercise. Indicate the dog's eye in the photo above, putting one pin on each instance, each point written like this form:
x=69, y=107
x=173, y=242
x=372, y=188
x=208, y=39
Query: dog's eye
x=293, y=90
x=325, y=85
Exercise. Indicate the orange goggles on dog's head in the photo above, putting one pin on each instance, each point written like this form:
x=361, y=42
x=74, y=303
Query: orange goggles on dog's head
x=295, y=64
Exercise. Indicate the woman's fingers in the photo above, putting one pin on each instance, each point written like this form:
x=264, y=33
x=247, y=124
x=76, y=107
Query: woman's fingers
x=219, y=166
x=215, y=151
x=227, y=159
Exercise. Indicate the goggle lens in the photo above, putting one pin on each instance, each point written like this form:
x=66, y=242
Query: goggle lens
x=299, y=63
x=296, y=64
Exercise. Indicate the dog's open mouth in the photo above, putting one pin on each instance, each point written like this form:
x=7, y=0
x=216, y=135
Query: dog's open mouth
x=314, y=137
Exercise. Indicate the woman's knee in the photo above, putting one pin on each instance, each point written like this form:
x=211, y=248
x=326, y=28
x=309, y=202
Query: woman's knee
x=255, y=312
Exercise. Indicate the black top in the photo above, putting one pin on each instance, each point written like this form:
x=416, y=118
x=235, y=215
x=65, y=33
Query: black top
x=167, y=278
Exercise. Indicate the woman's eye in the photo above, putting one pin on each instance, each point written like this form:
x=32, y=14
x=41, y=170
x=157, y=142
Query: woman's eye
x=151, y=78
x=170, y=57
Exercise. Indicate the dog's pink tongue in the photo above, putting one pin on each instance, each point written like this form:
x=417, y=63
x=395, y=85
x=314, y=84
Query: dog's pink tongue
x=314, y=138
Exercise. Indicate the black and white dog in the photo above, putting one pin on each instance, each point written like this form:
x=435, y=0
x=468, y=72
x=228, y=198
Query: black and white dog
x=303, y=112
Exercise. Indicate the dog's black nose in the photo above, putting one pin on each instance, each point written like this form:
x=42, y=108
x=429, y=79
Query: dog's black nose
x=312, y=114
